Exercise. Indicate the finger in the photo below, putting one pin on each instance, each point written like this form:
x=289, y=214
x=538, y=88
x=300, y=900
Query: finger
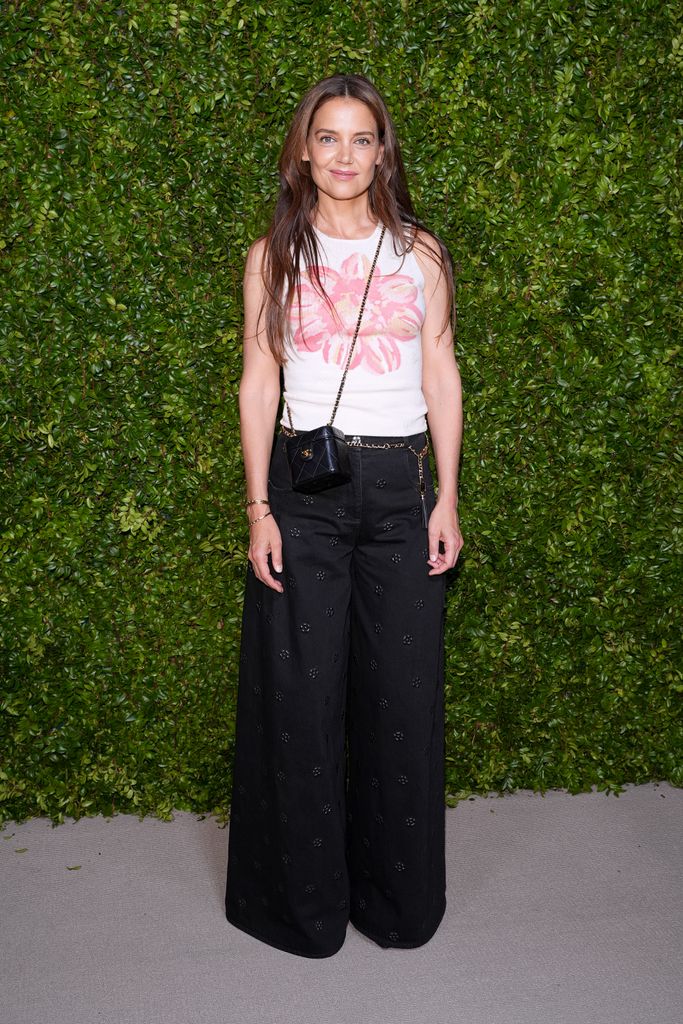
x=272, y=567
x=262, y=570
x=255, y=565
x=439, y=565
x=433, y=537
x=276, y=555
x=271, y=582
x=451, y=551
x=446, y=560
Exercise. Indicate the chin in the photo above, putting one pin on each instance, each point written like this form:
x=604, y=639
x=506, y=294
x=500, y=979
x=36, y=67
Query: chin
x=343, y=189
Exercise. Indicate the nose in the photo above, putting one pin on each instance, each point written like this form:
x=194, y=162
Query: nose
x=345, y=153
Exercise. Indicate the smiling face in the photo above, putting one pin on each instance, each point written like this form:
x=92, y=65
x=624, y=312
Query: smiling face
x=343, y=148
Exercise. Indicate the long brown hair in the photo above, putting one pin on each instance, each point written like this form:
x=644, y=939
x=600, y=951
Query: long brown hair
x=291, y=233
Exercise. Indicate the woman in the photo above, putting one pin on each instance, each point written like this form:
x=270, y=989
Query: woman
x=338, y=808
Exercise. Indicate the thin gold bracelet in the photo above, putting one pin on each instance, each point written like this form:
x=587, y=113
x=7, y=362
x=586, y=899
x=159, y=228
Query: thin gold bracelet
x=257, y=501
x=259, y=518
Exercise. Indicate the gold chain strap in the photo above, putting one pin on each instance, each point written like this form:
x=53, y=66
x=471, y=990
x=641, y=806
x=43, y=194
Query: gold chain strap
x=360, y=317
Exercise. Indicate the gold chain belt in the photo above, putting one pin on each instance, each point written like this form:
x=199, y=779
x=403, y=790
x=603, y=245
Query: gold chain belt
x=355, y=442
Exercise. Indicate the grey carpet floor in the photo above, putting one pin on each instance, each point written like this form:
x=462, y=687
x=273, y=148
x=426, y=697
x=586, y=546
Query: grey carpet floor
x=561, y=908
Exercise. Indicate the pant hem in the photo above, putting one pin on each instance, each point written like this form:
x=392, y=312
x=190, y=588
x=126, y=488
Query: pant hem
x=278, y=945
x=374, y=937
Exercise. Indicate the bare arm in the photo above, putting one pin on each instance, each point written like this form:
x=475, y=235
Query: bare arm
x=259, y=396
x=441, y=386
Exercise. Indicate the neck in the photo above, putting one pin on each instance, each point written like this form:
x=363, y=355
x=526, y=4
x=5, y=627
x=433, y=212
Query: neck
x=350, y=219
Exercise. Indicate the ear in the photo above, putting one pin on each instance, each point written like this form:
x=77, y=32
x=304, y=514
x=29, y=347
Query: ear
x=380, y=155
x=304, y=156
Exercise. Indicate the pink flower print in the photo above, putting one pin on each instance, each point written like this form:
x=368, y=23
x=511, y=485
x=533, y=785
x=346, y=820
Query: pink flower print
x=391, y=316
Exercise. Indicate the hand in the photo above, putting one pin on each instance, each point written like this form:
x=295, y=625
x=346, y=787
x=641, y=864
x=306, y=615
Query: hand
x=444, y=527
x=264, y=540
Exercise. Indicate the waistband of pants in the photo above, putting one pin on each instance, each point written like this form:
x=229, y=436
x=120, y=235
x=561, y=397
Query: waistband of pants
x=372, y=440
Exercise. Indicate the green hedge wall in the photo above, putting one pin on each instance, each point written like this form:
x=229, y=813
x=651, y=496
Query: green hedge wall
x=138, y=161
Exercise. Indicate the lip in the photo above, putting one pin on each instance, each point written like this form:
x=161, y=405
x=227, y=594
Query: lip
x=345, y=175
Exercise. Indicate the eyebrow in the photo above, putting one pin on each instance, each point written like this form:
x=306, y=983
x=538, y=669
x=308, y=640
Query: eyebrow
x=333, y=131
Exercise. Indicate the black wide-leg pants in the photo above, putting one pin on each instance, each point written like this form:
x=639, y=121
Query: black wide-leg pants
x=338, y=809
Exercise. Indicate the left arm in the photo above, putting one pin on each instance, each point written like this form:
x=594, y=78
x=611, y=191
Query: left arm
x=442, y=389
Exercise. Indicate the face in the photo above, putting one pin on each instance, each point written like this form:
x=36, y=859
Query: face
x=343, y=148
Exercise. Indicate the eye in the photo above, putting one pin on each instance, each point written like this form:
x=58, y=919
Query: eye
x=326, y=138
x=366, y=142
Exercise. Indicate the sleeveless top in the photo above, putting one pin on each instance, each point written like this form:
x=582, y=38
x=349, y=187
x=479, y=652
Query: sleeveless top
x=383, y=390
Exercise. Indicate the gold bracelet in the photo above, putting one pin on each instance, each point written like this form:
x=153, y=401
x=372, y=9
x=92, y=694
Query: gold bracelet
x=257, y=501
x=258, y=520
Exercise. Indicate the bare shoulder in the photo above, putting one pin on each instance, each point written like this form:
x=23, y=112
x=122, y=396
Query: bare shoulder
x=256, y=256
x=428, y=254
x=424, y=240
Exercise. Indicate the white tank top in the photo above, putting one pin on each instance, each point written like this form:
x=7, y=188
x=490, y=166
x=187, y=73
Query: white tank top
x=383, y=390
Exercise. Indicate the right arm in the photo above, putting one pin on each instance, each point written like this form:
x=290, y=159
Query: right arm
x=259, y=398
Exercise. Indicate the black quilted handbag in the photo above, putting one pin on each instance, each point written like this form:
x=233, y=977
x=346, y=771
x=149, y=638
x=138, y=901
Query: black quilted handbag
x=319, y=458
